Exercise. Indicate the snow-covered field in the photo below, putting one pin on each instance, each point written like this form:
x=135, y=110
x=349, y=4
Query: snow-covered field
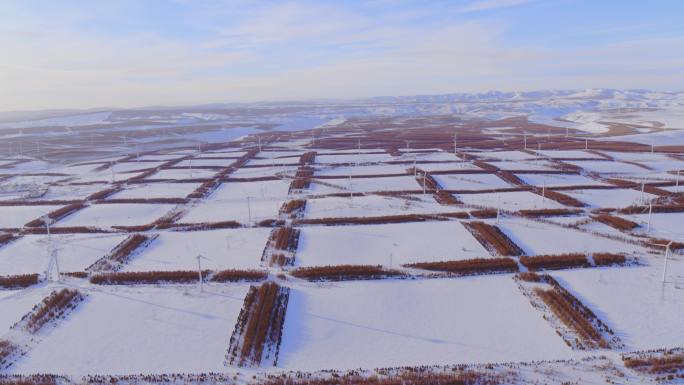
x=537, y=238
x=128, y=331
x=391, y=244
x=145, y=313
x=394, y=323
x=559, y=180
x=373, y=205
x=156, y=190
x=392, y=183
x=513, y=201
x=18, y=216
x=472, y=182
x=74, y=252
x=221, y=249
x=116, y=214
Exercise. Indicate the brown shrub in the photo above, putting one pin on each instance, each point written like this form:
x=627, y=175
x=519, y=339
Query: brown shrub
x=559, y=197
x=6, y=238
x=548, y=212
x=57, y=214
x=606, y=259
x=655, y=363
x=147, y=277
x=529, y=276
x=492, y=238
x=379, y=220
x=470, y=266
x=573, y=314
x=51, y=308
x=6, y=350
x=307, y=158
x=259, y=325
x=444, y=198
x=511, y=178
x=616, y=222
x=239, y=275
x=285, y=238
x=18, y=281
x=406, y=376
x=293, y=206
x=120, y=254
x=343, y=272
x=102, y=194
x=555, y=262
x=484, y=213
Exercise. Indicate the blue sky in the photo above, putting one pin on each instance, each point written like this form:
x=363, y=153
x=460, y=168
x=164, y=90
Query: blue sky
x=75, y=54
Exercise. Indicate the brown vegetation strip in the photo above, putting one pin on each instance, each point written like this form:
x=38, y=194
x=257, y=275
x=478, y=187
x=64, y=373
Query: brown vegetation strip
x=307, y=158
x=616, y=222
x=6, y=350
x=608, y=259
x=51, y=308
x=555, y=262
x=294, y=207
x=410, y=376
x=18, y=281
x=57, y=214
x=259, y=326
x=177, y=276
x=470, y=266
x=344, y=272
x=121, y=253
x=380, y=220
x=493, y=239
x=664, y=362
x=548, y=212
x=238, y=276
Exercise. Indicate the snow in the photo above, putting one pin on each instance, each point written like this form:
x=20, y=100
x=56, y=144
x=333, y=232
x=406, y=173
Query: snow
x=511, y=201
x=568, y=154
x=663, y=225
x=222, y=249
x=384, y=244
x=205, y=162
x=394, y=183
x=183, y=332
x=353, y=158
x=183, y=173
x=230, y=154
x=504, y=155
x=537, y=238
x=156, y=190
x=642, y=311
x=559, y=180
x=395, y=323
x=607, y=167
x=429, y=156
x=471, y=182
x=373, y=169
x=258, y=172
x=430, y=167
x=18, y=216
x=116, y=214
x=74, y=252
x=16, y=303
x=373, y=206
x=525, y=165
x=615, y=198
x=273, y=161
x=229, y=202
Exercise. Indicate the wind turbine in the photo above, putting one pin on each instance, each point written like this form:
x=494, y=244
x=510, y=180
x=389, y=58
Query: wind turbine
x=667, y=255
x=53, y=263
x=200, y=257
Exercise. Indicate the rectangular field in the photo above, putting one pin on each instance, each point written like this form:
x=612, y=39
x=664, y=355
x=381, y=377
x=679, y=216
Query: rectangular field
x=387, y=244
x=396, y=323
x=105, y=335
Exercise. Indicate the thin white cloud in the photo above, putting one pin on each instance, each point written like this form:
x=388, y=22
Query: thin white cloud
x=489, y=5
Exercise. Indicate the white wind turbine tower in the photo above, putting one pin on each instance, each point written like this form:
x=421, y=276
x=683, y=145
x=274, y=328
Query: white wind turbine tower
x=53, y=262
x=200, y=257
x=667, y=256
